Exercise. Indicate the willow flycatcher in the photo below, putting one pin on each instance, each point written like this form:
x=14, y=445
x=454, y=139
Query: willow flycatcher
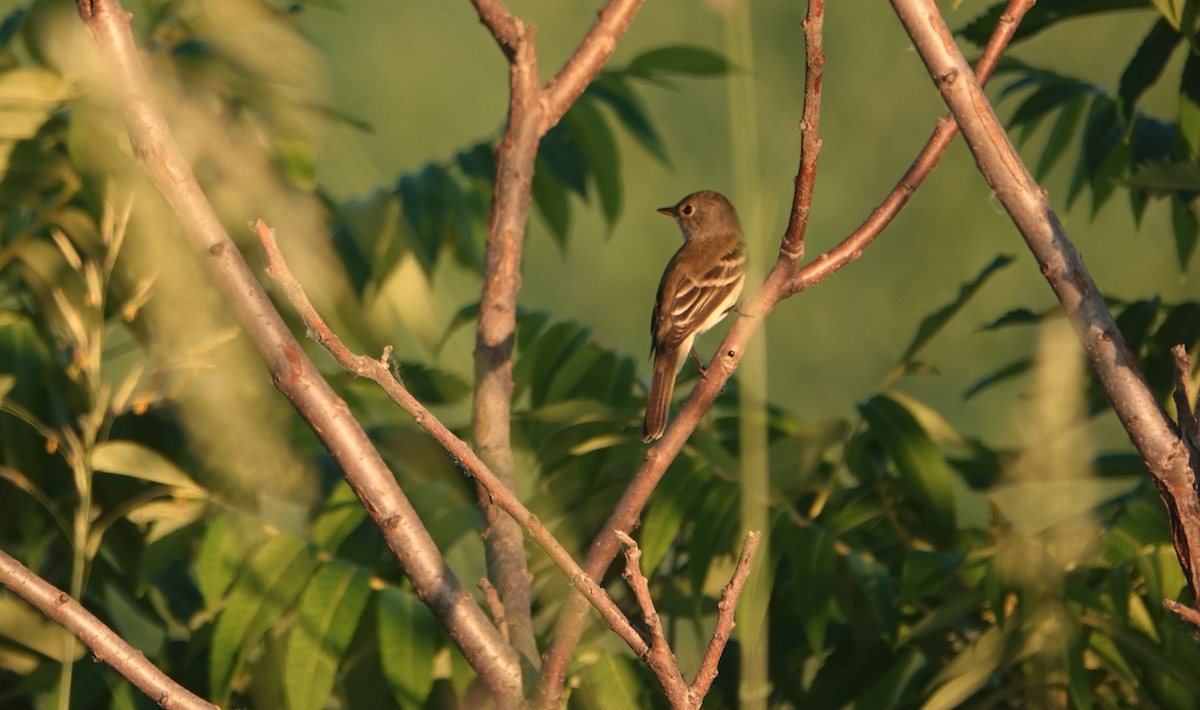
x=701, y=285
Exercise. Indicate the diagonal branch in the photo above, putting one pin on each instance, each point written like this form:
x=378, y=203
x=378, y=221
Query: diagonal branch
x=380, y=372
x=1116, y=367
x=500, y=23
x=292, y=371
x=725, y=624
x=783, y=281
x=587, y=60
x=106, y=645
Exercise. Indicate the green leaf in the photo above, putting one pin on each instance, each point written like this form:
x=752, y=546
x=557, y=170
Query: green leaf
x=1186, y=229
x=712, y=535
x=887, y=692
x=133, y=624
x=615, y=683
x=371, y=237
x=1163, y=176
x=228, y=539
x=341, y=515
x=1078, y=682
x=1004, y=374
x=407, y=635
x=431, y=385
x=1041, y=16
x=1147, y=65
x=1061, y=134
x=1017, y=316
x=875, y=584
x=1136, y=320
x=603, y=156
x=614, y=91
x=969, y=671
x=129, y=459
x=813, y=561
x=927, y=571
x=266, y=587
x=674, y=495
x=934, y=322
x=330, y=609
x=1049, y=97
x=1189, y=104
x=1138, y=646
x=922, y=468
x=680, y=59
x=430, y=200
x=561, y=152
x=552, y=202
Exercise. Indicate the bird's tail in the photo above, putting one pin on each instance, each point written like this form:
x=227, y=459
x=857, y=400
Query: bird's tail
x=658, y=402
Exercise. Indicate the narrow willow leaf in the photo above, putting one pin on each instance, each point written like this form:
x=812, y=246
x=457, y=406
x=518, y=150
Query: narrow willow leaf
x=407, y=636
x=679, y=488
x=614, y=91
x=1147, y=65
x=927, y=571
x=813, y=561
x=680, y=59
x=228, y=539
x=129, y=459
x=562, y=153
x=1189, y=104
x=552, y=202
x=1186, y=229
x=922, y=467
x=1048, y=98
x=340, y=516
x=712, y=535
x=599, y=146
x=266, y=587
x=1041, y=16
x=969, y=671
x=1165, y=177
x=330, y=608
x=1061, y=134
x=934, y=322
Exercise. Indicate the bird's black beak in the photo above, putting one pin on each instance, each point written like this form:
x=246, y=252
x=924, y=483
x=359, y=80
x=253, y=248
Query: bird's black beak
x=669, y=211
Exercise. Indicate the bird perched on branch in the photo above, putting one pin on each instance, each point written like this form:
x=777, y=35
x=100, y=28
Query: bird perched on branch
x=701, y=285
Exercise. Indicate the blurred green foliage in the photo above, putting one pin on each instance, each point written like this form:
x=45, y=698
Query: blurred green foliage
x=912, y=566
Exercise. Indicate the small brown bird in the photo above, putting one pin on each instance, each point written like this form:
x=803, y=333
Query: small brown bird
x=701, y=285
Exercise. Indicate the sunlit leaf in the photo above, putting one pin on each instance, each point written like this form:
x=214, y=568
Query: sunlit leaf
x=265, y=588
x=130, y=459
x=341, y=515
x=329, y=612
x=674, y=495
x=407, y=635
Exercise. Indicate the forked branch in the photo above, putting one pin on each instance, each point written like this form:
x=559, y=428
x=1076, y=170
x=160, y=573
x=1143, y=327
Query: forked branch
x=1166, y=455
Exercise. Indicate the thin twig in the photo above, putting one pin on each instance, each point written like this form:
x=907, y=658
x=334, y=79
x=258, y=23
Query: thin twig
x=494, y=604
x=293, y=373
x=380, y=373
x=1183, y=400
x=499, y=22
x=1152, y=432
x=725, y=619
x=783, y=281
x=658, y=656
x=1186, y=613
x=105, y=644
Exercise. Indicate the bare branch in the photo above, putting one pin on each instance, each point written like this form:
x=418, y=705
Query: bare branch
x=587, y=60
x=380, y=373
x=532, y=111
x=500, y=23
x=493, y=600
x=852, y=247
x=658, y=656
x=1187, y=614
x=292, y=372
x=782, y=281
x=726, y=608
x=1115, y=365
x=792, y=247
x=106, y=645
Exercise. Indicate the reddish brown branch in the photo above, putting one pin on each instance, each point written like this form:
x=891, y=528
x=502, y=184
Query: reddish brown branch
x=726, y=608
x=792, y=247
x=852, y=246
x=1187, y=614
x=783, y=281
x=491, y=597
x=658, y=656
x=380, y=373
x=500, y=23
x=291, y=370
x=532, y=111
x=593, y=52
x=105, y=644
x=1152, y=432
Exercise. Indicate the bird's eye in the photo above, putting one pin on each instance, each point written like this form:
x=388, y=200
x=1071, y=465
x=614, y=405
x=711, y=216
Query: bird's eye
x=687, y=210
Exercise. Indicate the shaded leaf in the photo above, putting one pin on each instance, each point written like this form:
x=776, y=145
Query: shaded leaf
x=603, y=157
x=1162, y=177
x=934, y=322
x=1147, y=65
x=1185, y=228
x=679, y=59
x=813, y=559
x=552, y=202
x=1061, y=134
x=927, y=571
x=674, y=495
x=614, y=91
x=1041, y=16
x=922, y=468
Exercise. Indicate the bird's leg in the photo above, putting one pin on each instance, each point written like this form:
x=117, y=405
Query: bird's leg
x=699, y=362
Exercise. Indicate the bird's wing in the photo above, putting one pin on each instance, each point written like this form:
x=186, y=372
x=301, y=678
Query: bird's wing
x=696, y=299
